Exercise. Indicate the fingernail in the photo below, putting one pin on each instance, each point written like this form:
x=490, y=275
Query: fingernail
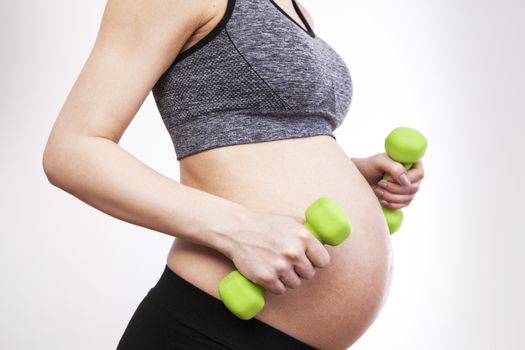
x=383, y=184
x=405, y=180
x=384, y=202
x=379, y=192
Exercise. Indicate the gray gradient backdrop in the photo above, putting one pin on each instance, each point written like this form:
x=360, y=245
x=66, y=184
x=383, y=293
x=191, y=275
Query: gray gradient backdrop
x=71, y=276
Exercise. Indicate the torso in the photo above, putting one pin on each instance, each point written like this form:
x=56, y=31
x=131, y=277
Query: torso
x=332, y=310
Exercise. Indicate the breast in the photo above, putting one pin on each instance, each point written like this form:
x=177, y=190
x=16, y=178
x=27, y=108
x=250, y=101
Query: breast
x=332, y=310
x=258, y=78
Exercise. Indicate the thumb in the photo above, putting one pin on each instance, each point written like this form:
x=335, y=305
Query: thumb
x=395, y=169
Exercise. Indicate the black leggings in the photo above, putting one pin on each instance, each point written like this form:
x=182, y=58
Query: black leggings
x=176, y=314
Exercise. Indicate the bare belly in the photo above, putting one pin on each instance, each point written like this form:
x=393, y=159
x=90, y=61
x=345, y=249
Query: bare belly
x=333, y=309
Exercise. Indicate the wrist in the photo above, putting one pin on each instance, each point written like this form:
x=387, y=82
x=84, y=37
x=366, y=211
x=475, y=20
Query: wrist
x=364, y=166
x=226, y=225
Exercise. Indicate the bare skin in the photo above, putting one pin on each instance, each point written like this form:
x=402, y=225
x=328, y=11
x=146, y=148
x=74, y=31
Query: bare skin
x=334, y=308
x=239, y=206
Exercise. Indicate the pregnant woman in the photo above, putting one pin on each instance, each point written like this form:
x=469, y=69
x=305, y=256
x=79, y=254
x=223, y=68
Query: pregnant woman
x=250, y=95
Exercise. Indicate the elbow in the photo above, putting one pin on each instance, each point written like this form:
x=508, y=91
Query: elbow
x=50, y=163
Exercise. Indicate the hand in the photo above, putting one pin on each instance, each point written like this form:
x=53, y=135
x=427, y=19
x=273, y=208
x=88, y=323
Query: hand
x=276, y=251
x=400, y=188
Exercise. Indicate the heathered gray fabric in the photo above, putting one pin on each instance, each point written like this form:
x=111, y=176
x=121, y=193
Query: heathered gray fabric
x=259, y=77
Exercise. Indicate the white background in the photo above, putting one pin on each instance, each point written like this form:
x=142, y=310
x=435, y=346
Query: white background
x=72, y=276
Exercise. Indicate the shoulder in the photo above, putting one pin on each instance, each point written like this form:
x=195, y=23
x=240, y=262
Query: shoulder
x=143, y=16
x=159, y=27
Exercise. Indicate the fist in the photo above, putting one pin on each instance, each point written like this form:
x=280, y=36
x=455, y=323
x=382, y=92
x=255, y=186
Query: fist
x=400, y=188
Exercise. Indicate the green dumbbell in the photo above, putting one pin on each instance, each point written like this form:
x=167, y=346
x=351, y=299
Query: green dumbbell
x=325, y=219
x=406, y=146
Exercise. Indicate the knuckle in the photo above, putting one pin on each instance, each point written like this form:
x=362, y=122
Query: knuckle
x=299, y=219
x=281, y=267
x=304, y=235
x=292, y=254
x=265, y=277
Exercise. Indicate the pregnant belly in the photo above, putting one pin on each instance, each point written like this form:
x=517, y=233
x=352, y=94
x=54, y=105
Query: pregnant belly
x=333, y=309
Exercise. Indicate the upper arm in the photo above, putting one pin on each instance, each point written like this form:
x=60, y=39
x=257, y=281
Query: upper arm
x=136, y=42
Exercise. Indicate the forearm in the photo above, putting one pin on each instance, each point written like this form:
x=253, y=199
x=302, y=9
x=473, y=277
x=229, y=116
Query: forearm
x=355, y=160
x=104, y=175
x=358, y=162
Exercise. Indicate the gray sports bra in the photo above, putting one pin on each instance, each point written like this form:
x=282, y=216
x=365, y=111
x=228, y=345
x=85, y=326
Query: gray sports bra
x=257, y=76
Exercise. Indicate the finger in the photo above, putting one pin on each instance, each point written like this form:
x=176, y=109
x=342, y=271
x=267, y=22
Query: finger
x=396, y=198
x=416, y=173
x=395, y=169
x=418, y=165
x=394, y=205
x=317, y=253
x=290, y=279
x=305, y=269
x=275, y=285
x=393, y=187
x=399, y=175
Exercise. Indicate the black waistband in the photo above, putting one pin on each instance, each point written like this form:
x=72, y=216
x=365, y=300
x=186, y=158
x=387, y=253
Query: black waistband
x=208, y=315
